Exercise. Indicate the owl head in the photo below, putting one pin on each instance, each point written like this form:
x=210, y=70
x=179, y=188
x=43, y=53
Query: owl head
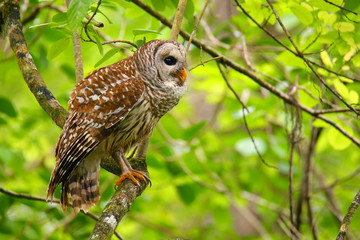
x=164, y=59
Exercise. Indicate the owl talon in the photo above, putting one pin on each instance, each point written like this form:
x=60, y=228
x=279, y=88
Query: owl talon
x=131, y=174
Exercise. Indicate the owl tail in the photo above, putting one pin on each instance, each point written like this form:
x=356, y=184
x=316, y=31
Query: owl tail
x=83, y=189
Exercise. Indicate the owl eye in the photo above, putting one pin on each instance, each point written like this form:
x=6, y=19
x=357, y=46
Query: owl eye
x=170, y=61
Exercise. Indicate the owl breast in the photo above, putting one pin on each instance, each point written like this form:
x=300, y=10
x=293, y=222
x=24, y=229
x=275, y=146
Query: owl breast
x=133, y=128
x=164, y=99
x=141, y=120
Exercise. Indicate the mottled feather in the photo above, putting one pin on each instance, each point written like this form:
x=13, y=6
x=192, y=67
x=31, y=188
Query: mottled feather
x=112, y=110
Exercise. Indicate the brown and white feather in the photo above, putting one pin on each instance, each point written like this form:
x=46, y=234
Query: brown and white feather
x=112, y=109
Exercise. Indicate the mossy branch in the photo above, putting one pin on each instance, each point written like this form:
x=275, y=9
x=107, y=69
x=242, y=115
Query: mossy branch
x=13, y=29
x=347, y=219
x=127, y=191
x=120, y=204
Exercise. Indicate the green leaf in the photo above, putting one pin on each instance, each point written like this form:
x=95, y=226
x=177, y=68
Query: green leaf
x=57, y=48
x=60, y=17
x=326, y=59
x=344, y=27
x=337, y=140
x=341, y=88
x=353, y=97
x=303, y=14
x=107, y=56
x=144, y=31
x=327, y=18
x=76, y=12
x=141, y=42
x=7, y=107
x=356, y=60
x=187, y=193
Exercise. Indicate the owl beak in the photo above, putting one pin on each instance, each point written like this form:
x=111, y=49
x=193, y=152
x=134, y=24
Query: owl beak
x=182, y=74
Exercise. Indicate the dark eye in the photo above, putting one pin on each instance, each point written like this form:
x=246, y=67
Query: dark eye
x=170, y=61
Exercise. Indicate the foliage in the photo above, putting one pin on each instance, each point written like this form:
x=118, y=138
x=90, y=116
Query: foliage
x=208, y=181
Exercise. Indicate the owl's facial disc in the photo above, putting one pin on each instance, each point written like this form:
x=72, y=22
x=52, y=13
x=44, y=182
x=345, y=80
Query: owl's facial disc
x=171, y=64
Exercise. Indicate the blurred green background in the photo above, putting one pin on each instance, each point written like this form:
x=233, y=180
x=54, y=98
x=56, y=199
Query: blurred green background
x=207, y=180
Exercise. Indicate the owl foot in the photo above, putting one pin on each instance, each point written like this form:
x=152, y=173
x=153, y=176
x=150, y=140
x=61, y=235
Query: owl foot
x=132, y=175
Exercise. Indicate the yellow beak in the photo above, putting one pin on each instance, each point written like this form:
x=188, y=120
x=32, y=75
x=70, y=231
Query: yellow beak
x=183, y=74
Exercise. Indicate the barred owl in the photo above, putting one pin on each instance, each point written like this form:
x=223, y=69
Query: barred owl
x=112, y=110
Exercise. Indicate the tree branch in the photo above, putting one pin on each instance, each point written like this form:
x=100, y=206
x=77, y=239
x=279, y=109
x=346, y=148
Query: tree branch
x=308, y=173
x=79, y=69
x=37, y=86
x=287, y=48
x=47, y=101
x=119, y=204
x=127, y=191
x=41, y=199
x=301, y=55
x=227, y=61
x=178, y=20
x=342, y=8
x=244, y=116
x=347, y=219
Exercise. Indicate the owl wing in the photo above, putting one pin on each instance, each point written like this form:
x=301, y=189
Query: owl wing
x=98, y=102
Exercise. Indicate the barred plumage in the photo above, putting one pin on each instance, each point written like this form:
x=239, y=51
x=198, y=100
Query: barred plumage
x=113, y=109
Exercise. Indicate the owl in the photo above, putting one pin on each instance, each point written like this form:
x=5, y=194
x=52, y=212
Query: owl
x=112, y=110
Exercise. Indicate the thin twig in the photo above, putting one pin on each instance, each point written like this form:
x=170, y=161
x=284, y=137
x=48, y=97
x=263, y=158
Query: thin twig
x=296, y=235
x=312, y=42
x=342, y=8
x=119, y=41
x=96, y=23
x=246, y=54
x=196, y=26
x=287, y=48
x=178, y=20
x=41, y=199
x=227, y=61
x=344, y=179
x=319, y=99
x=284, y=228
x=329, y=193
x=244, y=116
x=34, y=12
x=293, y=141
x=89, y=20
x=295, y=118
x=308, y=174
x=202, y=63
x=300, y=54
x=90, y=39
